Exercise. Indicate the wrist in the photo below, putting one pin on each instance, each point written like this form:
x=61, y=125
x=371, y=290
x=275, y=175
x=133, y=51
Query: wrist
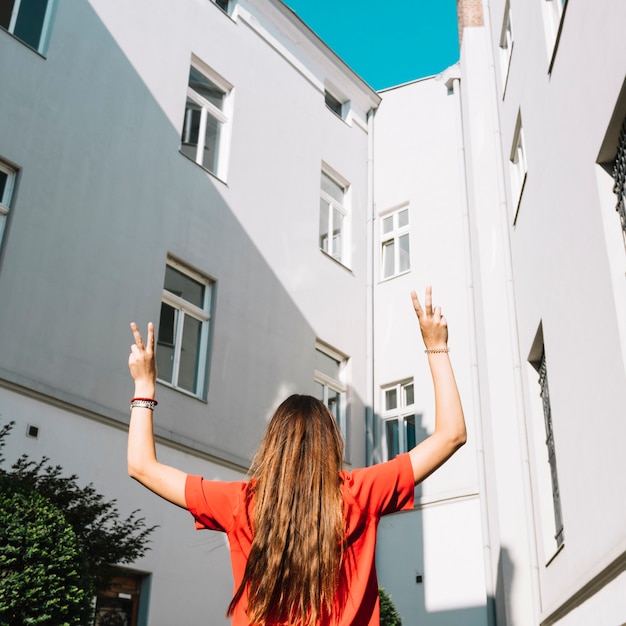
x=437, y=349
x=144, y=390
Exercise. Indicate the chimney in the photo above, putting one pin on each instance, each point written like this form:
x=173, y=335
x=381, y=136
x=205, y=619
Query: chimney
x=469, y=13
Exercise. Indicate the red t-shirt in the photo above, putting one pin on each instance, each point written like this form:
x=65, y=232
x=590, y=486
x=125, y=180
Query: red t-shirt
x=368, y=493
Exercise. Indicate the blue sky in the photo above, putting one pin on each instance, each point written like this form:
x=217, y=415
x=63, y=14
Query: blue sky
x=386, y=43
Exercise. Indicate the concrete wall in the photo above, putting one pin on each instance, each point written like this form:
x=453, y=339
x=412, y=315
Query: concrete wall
x=567, y=260
x=104, y=196
x=419, y=162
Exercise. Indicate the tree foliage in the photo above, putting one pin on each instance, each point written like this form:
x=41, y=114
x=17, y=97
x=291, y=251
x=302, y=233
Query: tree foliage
x=43, y=572
x=101, y=535
x=388, y=614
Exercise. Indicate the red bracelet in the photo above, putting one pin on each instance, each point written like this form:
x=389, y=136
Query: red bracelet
x=145, y=400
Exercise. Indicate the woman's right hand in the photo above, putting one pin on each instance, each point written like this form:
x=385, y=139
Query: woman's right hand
x=142, y=362
x=432, y=323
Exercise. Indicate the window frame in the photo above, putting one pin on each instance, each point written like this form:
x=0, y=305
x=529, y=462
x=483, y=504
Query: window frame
x=553, y=14
x=202, y=315
x=619, y=176
x=506, y=46
x=343, y=256
x=207, y=109
x=549, y=512
x=394, y=236
x=44, y=33
x=334, y=104
x=338, y=385
x=518, y=161
x=7, y=198
x=399, y=413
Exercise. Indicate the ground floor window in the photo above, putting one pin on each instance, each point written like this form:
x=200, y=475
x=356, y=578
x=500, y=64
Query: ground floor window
x=120, y=604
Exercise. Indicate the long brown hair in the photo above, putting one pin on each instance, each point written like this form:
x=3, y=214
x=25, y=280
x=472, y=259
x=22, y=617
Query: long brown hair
x=292, y=573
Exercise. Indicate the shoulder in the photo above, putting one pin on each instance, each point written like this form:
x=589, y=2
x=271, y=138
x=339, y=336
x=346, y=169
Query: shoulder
x=214, y=503
x=382, y=488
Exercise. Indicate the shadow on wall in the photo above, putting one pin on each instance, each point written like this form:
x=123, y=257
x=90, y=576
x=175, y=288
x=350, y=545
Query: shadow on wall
x=401, y=561
x=111, y=196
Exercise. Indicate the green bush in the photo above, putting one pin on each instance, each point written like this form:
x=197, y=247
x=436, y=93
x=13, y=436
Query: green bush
x=388, y=614
x=43, y=572
x=59, y=543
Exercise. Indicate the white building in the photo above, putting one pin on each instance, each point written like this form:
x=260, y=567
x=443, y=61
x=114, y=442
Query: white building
x=220, y=171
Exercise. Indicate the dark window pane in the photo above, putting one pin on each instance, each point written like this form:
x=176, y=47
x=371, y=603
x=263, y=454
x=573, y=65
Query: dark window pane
x=183, y=286
x=29, y=23
x=206, y=88
x=6, y=8
x=393, y=445
x=190, y=354
x=191, y=130
x=4, y=177
x=409, y=398
x=165, y=342
x=333, y=104
x=222, y=4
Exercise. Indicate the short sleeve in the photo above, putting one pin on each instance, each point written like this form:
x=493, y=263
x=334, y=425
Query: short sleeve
x=384, y=488
x=213, y=504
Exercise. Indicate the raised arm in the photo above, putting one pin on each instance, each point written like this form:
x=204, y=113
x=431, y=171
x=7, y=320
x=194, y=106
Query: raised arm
x=450, y=433
x=167, y=482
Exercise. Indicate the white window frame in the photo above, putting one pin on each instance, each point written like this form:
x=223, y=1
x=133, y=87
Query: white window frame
x=548, y=510
x=394, y=236
x=337, y=385
x=7, y=197
x=400, y=414
x=506, y=46
x=518, y=167
x=343, y=254
x=42, y=44
x=201, y=314
x=207, y=109
x=553, y=11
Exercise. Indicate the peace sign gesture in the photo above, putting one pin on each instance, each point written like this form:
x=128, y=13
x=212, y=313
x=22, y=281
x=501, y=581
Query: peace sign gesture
x=141, y=361
x=433, y=324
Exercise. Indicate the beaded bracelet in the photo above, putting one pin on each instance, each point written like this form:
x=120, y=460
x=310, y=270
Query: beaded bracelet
x=436, y=350
x=144, y=403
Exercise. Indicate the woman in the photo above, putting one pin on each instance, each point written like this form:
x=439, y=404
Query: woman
x=301, y=531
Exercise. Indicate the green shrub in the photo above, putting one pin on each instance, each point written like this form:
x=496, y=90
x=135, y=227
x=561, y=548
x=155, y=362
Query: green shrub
x=388, y=614
x=59, y=543
x=43, y=572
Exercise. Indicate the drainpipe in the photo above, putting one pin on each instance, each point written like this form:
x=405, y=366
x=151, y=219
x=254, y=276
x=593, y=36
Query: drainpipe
x=454, y=84
x=369, y=355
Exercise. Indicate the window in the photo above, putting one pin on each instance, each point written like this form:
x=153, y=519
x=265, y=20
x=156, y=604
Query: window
x=335, y=105
x=518, y=167
x=395, y=246
x=222, y=4
x=205, y=120
x=330, y=387
x=398, y=423
x=7, y=184
x=28, y=20
x=619, y=174
x=545, y=456
x=183, y=337
x=120, y=604
x=506, y=45
x=333, y=218
x=552, y=18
